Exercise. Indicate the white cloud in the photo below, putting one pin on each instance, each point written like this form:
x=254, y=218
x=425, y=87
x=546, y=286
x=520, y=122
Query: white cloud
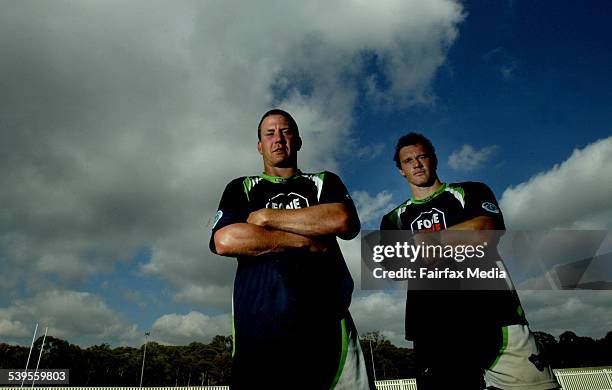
x=351, y=251
x=367, y=152
x=114, y=139
x=381, y=311
x=216, y=295
x=574, y=194
x=183, y=329
x=71, y=315
x=469, y=158
x=372, y=208
x=12, y=329
x=587, y=313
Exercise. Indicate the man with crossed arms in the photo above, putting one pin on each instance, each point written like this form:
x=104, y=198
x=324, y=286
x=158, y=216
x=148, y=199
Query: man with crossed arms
x=292, y=290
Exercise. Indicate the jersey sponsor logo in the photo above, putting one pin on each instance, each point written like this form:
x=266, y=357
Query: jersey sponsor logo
x=490, y=207
x=429, y=221
x=217, y=218
x=539, y=361
x=288, y=201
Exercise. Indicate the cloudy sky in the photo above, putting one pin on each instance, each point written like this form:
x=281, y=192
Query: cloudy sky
x=121, y=123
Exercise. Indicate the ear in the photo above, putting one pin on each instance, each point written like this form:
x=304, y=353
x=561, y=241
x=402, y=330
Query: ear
x=298, y=143
x=259, y=148
x=401, y=172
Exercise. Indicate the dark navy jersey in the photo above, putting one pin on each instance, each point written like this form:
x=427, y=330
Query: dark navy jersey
x=450, y=205
x=279, y=294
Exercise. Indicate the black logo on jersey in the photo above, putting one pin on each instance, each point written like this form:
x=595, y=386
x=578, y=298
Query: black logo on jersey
x=538, y=361
x=289, y=201
x=429, y=221
x=490, y=207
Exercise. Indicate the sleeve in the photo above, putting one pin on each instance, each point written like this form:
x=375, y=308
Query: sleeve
x=386, y=238
x=334, y=191
x=386, y=224
x=480, y=201
x=233, y=208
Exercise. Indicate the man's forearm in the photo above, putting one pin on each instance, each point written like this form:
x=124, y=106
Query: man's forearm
x=452, y=236
x=320, y=220
x=245, y=239
x=481, y=226
x=477, y=223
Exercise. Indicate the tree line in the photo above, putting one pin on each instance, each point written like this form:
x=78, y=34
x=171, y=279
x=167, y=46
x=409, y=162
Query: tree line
x=101, y=365
x=210, y=364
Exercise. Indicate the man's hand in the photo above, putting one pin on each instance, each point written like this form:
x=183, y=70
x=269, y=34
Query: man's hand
x=478, y=223
x=482, y=226
x=430, y=239
x=320, y=245
x=259, y=217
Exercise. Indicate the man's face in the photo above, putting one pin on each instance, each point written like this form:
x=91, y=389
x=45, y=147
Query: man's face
x=417, y=165
x=279, y=144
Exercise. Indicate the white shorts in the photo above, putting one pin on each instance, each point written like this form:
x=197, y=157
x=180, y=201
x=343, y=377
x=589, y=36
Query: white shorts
x=518, y=364
x=351, y=374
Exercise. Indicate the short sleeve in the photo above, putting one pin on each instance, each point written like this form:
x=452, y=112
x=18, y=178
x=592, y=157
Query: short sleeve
x=233, y=208
x=480, y=201
x=334, y=191
x=386, y=224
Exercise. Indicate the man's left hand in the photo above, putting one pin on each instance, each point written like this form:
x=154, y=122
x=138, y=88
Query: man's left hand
x=259, y=217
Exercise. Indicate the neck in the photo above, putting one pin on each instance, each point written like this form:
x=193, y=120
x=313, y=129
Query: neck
x=422, y=192
x=284, y=172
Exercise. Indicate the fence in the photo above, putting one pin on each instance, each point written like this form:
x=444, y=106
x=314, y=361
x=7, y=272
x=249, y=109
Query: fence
x=569, y=379
x=587, y=378
x=397, y=384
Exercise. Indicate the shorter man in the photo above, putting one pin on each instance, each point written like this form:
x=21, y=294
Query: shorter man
x=458, y=335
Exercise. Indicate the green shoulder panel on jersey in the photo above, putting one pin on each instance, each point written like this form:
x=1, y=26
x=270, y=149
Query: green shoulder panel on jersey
x=248, y=183
x=458, y=192
x=317, y=179
x=394, y=215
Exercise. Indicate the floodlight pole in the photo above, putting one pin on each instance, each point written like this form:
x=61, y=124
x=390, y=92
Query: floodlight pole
x=42, y=346
x=372, y=356
x=29, y=354
x=144, y=355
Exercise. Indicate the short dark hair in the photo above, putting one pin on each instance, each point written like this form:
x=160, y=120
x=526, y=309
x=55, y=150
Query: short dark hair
x=414, y=139
x=277, y=111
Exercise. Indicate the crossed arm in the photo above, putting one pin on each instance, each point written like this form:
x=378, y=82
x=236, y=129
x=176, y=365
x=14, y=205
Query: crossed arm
x=450, y=236
x=483, y=225
x=272, y=230
x=478, y=223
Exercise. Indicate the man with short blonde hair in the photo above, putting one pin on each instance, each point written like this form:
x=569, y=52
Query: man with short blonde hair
x=292, y=328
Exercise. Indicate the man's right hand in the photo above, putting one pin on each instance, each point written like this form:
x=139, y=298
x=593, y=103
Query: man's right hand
x=319, y=245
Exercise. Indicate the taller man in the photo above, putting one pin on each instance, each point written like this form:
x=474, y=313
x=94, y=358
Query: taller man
x=292, y=290
x=460, y=335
